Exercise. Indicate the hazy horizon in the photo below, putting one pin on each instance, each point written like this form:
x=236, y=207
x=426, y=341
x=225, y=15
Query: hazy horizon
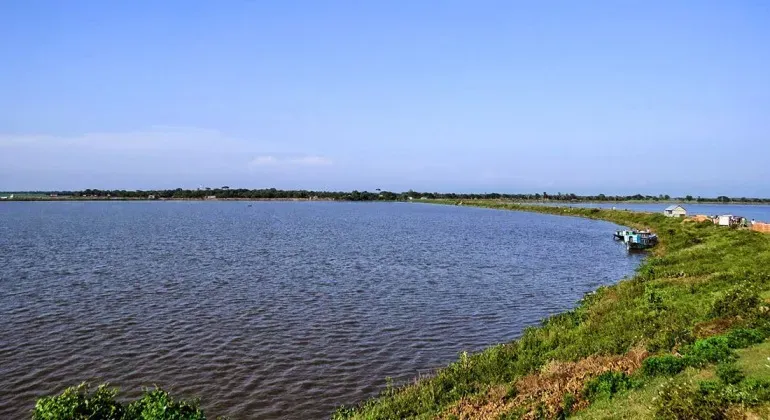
x=620, y=99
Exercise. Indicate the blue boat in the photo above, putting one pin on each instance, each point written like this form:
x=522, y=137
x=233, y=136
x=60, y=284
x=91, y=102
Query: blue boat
x=637, y=239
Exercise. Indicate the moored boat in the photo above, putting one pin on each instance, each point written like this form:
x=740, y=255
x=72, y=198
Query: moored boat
x=637, y=239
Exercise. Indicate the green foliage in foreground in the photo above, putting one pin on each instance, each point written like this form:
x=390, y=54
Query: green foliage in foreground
x=82, y=402
x=608, y=384
x=717, y=349
x=709, y=399
x=700, y=274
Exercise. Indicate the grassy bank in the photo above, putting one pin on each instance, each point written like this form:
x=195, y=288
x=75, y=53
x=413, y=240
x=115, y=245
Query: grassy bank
x=678, y=340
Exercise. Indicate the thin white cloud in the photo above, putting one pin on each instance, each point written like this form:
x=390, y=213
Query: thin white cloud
x=159, y=138
x=264, y=161
x=311, y=161
x=270, y=160
x=159, y=153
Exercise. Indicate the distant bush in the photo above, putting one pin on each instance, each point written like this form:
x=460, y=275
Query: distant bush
x=710, y=399
x=709, y=350
x=663, y=365
x=750, y=392
x=608, y=384
x=681, y=401
x=744, y=337
x=729, y=373
x=741, y=300
x=568, y=404
x=81, y=402
x=717, y=349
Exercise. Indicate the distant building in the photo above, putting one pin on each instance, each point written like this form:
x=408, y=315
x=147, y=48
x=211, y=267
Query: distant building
x=675, y=211
x=211, y=197
x=725, y=220
x=150, y=197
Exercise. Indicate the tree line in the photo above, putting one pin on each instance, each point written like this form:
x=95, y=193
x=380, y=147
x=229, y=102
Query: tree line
x=377, y=195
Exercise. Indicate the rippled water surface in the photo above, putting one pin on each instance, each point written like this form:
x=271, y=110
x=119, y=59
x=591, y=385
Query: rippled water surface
x=278, y=310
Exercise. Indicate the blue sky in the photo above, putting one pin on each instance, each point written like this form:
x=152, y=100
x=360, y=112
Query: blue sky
x=585, y=97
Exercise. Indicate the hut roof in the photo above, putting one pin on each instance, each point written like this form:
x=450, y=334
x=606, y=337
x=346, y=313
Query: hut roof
x=674, y=207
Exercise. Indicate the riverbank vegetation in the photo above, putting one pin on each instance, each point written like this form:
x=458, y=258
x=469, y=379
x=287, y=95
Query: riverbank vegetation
x=684, y=338
x=225, y=192
x=83, y=402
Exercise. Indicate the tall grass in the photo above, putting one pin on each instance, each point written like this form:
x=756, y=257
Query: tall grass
x=701, y=274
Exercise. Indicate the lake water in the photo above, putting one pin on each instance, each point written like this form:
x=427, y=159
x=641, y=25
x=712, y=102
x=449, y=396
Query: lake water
x=278, y=309
x=758, y=212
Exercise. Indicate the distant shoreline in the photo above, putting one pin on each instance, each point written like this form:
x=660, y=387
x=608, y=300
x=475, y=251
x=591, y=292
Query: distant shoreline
x=163, y=199
x=327, y=199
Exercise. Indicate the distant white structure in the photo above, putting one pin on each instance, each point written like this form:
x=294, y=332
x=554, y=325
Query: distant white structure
x=675, y=211
x=725, y=220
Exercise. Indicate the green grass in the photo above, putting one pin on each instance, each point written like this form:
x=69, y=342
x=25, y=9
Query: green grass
x=637, y=404
x=755, y=361
x=700, y=274
x=752, y=362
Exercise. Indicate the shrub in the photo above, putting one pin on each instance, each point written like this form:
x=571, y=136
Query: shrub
x=80, y=402
x=749, y=392
x=755, y=391
x=568, y=404
x=158, y=404
x=709, y=350
x=678, y=400
x=729, y=373
x=741, y=300
x=672, y=333
x=663, y=365
x=608, y=384
x=744, y=337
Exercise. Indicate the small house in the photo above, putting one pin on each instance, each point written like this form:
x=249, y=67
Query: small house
x=675, y=211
